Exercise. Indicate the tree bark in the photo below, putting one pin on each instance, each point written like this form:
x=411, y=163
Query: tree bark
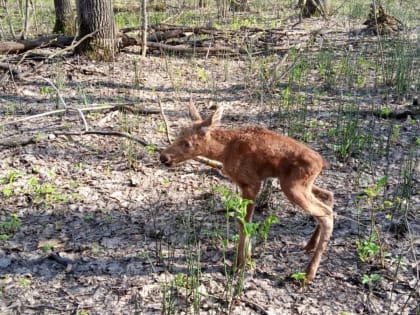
x=9, y=47
x=144, y=27
x=96, y=17
x=64, y=18
x=239, y=5
x=314, y=7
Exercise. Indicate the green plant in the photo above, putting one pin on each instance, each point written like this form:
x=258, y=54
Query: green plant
x=371, y=279
x=349, y=136
x=46, y=90
x=78, y=166
x=4, y=237
x=236, y=207
x=326, y=66
x=12, y=224
x=10, y=108
x=161, y=128
x=9, y=179
x=201, y=74
x=166, y=181
x=33, y=182
x=265, y=228
x=371, y=247
x=374, y=190
x=367, y=249
x=45, y=188
x=7, y=191
x=300, y=67
x=151, y=149
x=299, y=276
x=47, y=247
x=23, y=281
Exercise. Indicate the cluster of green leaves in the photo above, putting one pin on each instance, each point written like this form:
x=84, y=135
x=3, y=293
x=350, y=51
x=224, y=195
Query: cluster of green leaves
x=42, y=193
x=368, y=249
x=350, y=138
x=11, y=225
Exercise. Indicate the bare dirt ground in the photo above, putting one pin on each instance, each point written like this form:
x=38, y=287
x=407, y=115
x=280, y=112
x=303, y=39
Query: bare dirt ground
x=100, y=227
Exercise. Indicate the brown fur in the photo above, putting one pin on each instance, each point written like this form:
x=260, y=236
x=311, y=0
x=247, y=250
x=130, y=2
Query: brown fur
x=251, y=154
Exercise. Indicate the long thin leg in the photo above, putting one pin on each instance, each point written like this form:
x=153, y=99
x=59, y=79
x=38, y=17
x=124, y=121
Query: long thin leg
x=300, y=194
x=314, y=240
x=323, y=195
x=326, y=197
x=326, y=225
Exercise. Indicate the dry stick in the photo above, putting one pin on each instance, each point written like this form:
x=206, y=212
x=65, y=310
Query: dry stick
x=104, y=133
x=53, y=112
x=72, y=46
x=165, y=120
x=257, y=307
x=208, y=51
x=58, y=53
x=58, y=111
x=65, y=105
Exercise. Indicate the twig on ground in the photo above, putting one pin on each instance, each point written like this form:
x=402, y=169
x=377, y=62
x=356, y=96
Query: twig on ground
x=104, y=133
x=165, y=120
x=91, y=108
x=12, y=142
x=82, y=117
x=255, y=306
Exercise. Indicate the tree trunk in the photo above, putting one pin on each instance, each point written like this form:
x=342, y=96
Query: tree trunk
x=239, y=5
x=96, y=17
x=64, y=18
x=144, y=27
x=314, y=7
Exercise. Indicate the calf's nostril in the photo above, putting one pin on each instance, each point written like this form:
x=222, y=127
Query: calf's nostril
x=164, y=159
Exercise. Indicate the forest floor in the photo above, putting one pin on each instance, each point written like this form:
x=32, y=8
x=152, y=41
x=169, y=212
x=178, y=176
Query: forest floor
x=94, y=224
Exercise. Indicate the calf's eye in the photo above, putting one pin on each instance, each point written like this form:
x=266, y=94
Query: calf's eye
x=188, y=144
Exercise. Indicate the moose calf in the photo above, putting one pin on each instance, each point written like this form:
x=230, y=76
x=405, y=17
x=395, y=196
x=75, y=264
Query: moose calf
x=251, y=154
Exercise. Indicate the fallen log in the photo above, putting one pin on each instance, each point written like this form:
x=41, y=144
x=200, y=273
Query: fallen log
x=19, y=46
x=215, y=50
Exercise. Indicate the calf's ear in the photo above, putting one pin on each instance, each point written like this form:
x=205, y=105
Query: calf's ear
x=213, y=120
x=194, y=114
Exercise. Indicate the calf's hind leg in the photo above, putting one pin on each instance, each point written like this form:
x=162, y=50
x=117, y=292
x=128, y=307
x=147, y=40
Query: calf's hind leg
x=301, y=194
x=327, y=198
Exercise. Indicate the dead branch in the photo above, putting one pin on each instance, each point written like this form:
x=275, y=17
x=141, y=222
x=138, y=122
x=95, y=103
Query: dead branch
x=10, y=69
x=20, y=46
x=21, y=141
x=82, y=117
x=184, y=40
x=165, y=120
x=104, y=133
x=184, y=49
x=119, y=107
x=255, y=306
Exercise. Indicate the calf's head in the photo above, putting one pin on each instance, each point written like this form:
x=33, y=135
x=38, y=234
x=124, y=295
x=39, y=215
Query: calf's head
x=192, y=141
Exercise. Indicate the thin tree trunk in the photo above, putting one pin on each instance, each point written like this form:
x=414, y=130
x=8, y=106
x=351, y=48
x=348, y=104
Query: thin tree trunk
x=26, y=21
x=64, y=18
x=144, y=27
